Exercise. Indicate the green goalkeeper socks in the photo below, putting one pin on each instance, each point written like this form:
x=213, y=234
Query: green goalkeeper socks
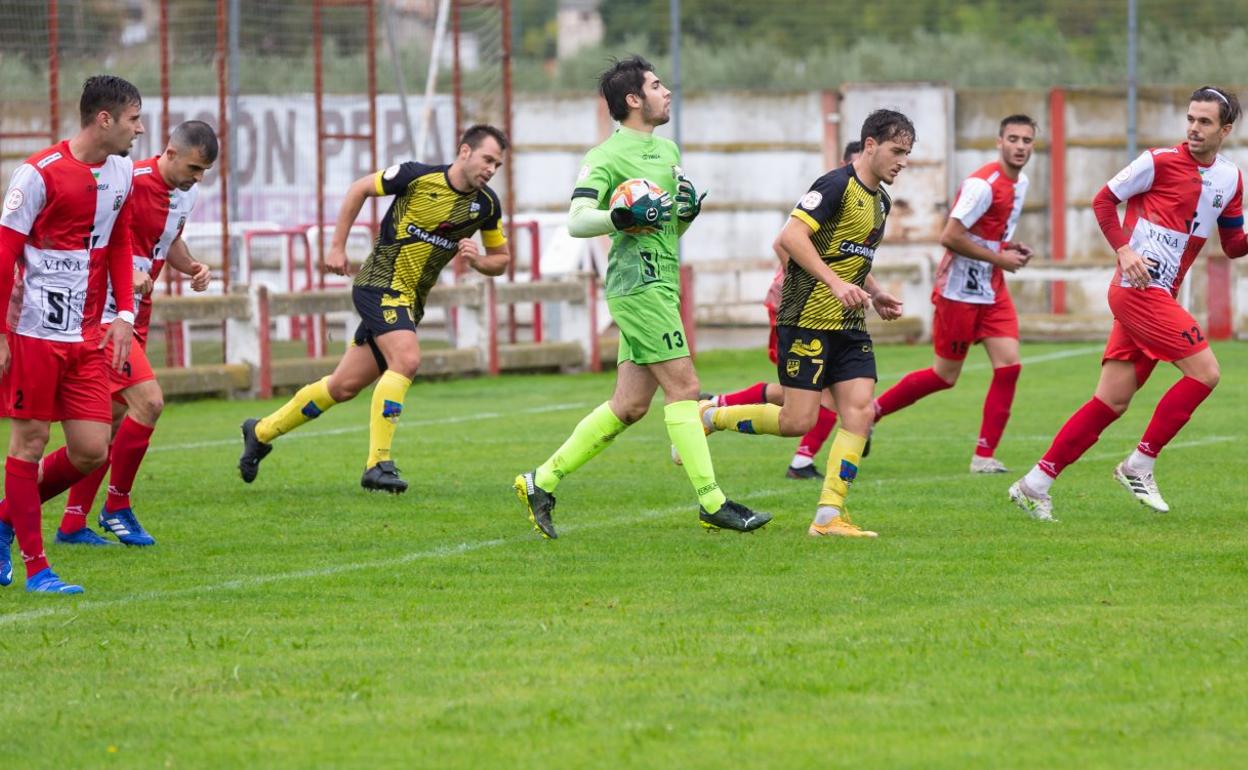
x=592, y=435
x=684, y=427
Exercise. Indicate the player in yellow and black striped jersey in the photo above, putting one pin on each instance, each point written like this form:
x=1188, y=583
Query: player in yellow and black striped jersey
x=435, y=213
x=831, y=238
x=421, y=231
x=846, y=220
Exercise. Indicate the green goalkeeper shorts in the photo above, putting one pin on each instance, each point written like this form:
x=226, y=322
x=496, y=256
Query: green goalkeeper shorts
x=650, y=328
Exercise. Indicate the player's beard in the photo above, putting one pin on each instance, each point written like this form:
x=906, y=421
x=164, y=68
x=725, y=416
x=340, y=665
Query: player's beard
x=655, y=117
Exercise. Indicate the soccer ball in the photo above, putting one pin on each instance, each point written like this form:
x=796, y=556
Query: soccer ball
x=629, y=192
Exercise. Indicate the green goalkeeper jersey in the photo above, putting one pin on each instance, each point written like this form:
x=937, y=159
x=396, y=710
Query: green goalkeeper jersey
x=636, y=263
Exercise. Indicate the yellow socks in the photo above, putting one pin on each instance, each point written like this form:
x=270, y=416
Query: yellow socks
x=843, y=459
x=307, y=404
x=748, y=418
x=383, y=415
x=591, y=435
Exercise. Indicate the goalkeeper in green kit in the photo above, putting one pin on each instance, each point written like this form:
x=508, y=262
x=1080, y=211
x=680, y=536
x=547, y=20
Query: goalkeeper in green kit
x=643, y=293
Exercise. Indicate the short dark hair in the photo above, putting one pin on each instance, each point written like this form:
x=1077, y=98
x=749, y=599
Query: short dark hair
x=851, y=149
x=106, y=92
x=1228, y=104
x=476, y=134
x=198, y=135
x=624, y=77
x=883, y=125
x=1017, y=119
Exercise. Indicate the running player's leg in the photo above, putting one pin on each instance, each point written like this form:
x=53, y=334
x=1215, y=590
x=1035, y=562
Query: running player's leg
x=357, y=369
x=144, y=401
x=1119, y=381
x=1200, y=376
x=1165, y=331
x=1003, y=355
x=682, y=416
x=634, y=389
x=401, y=351
x=851, y=378
x=73, y=529
x=802, y=466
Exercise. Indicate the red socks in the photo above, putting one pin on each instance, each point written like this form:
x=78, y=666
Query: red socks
x=812, y=442
x=129, y=447
x=755, y=394
x=21, y=489
x=997, y=408
x=1172, y=413
x=81, y=498
x=912, y=387
x=1079, y=433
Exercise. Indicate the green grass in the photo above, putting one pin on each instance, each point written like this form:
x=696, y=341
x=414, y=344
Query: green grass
x=300, y=622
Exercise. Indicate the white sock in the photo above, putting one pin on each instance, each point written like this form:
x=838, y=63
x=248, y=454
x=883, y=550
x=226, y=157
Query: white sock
x=708, y=418
x=1038, y=481
x=826, y=513
x=801, y=461
x=1138, y=461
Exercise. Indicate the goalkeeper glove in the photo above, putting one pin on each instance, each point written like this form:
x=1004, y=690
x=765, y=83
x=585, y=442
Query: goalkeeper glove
x=688, y=202
x=650, y=213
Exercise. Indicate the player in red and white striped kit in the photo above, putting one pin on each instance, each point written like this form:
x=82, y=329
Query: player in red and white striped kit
x=165, y=191
x=972, y=302
x=65, y=224
x=1174, y=196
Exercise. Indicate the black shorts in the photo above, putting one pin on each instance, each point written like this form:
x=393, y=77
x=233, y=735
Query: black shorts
x=814, y=359
x=380, y=311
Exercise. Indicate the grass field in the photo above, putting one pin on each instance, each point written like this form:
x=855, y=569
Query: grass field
x=300, y=622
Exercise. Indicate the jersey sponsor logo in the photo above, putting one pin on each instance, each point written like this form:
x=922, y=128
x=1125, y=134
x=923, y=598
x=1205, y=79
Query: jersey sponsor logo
x=857, y=249
x=421, y=234
x=141, y=170
x=390, y=173
x=1164, y=150
x=811, y=200
x=98, y=187
x=649, y=156
x=65, y=265
x=809, y=350
x=15, y=199
x=48, y=161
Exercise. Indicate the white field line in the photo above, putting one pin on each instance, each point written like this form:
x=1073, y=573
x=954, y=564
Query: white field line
x=13, y=618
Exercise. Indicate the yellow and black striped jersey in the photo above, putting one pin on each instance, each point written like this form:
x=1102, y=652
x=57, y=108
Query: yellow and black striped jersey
x=847, y=218
x=421, y=230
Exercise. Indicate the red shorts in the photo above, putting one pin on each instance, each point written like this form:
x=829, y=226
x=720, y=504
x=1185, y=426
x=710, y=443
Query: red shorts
x=1150, y=324
x=56, y=381
x=136, y=369
x=958, y=325
x=772, y=341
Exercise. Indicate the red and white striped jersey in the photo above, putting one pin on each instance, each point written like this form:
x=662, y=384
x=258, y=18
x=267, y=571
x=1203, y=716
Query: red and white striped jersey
x=67, y=209
x=1173, y=204
x=988, y=205
x=159, y=214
